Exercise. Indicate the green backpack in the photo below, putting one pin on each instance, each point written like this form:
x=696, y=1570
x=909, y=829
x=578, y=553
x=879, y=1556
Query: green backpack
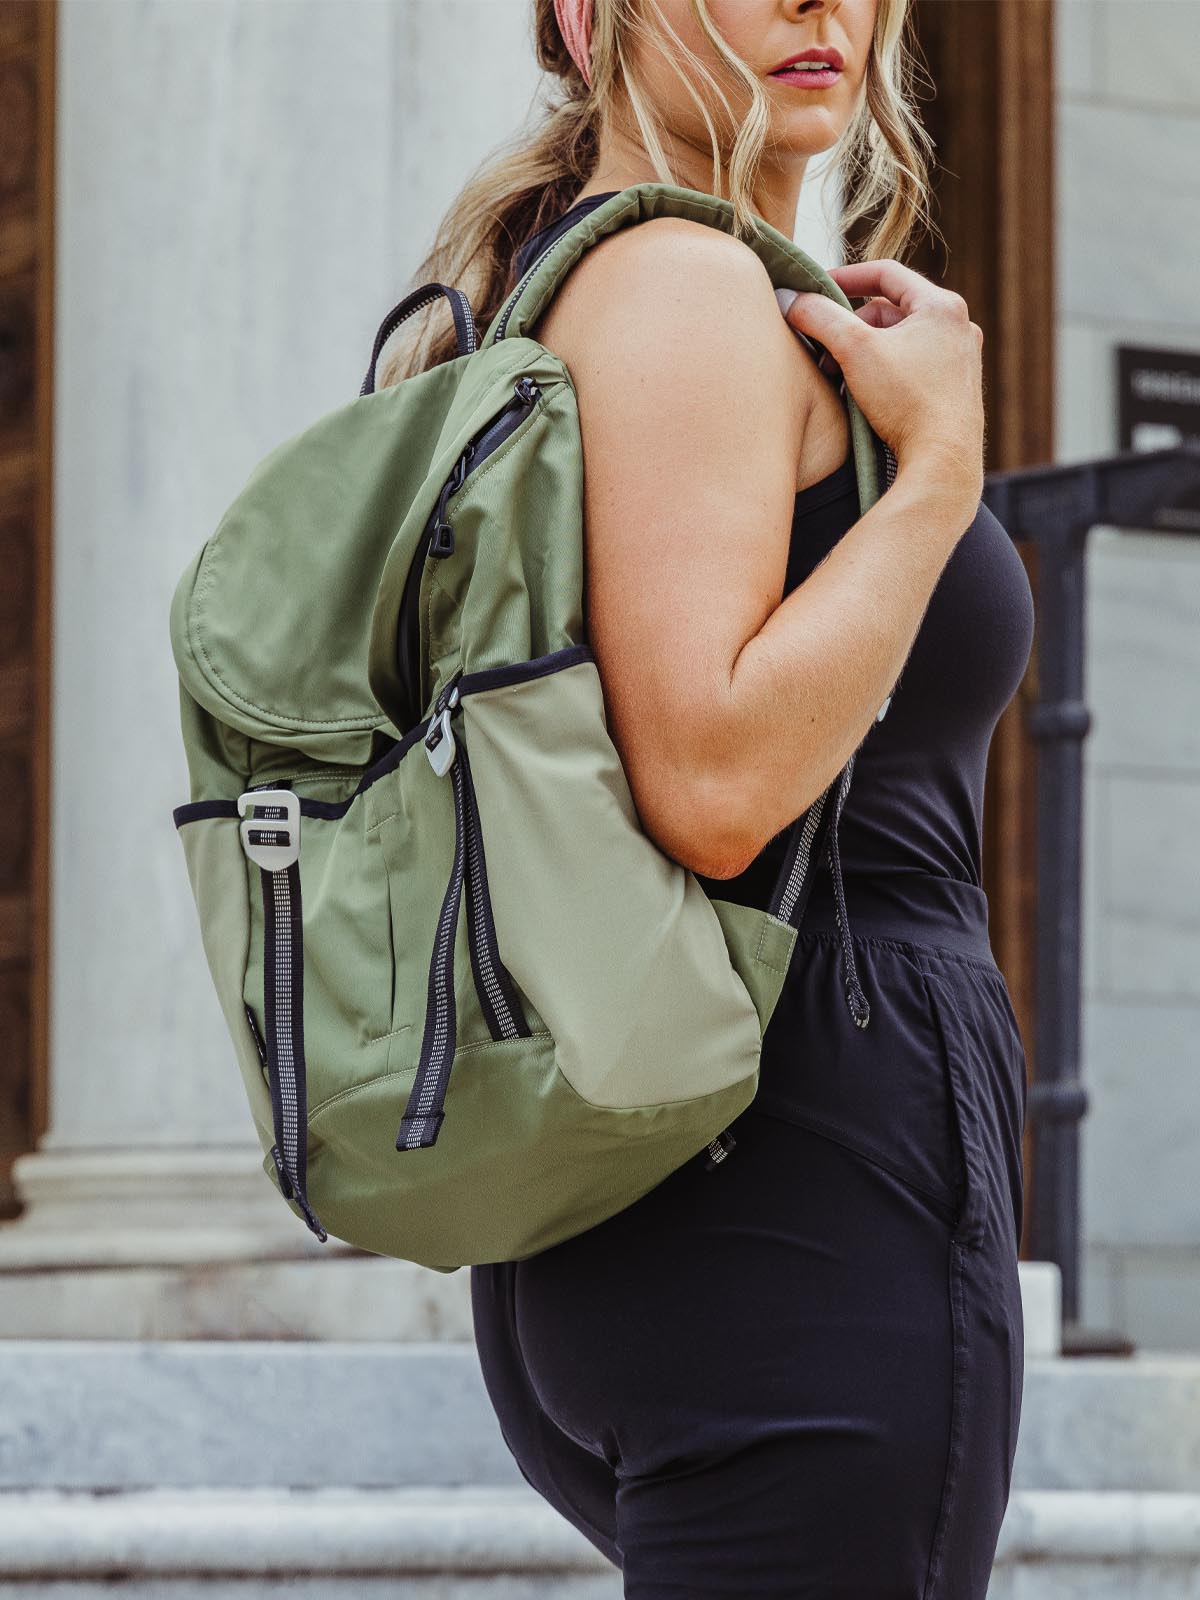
x=389, y=704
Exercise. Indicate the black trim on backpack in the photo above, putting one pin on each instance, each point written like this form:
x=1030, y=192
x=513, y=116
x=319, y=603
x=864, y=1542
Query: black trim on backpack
x=493, y=982
x=283, y=997
x=464, y=324
x=469, y=683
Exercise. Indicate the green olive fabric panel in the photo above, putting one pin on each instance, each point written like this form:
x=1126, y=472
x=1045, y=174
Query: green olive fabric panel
x=327, y=522
x=218, y=870
x=513, y=588
x=533, y=486
x=761, y=948
x=617, y=944
x=521, y=1162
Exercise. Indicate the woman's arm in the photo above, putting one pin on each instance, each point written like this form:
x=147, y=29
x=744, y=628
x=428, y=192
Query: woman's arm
x=731, y=710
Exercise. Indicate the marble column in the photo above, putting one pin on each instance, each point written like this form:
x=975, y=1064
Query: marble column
x=243, y=190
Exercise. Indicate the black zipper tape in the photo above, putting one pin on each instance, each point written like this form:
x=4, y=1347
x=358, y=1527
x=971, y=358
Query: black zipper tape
x=437, y=539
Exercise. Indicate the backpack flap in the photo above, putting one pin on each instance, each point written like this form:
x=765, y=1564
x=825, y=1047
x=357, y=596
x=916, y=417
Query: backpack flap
x=270, y=622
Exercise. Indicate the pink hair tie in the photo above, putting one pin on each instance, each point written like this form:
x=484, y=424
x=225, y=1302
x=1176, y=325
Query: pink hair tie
x=575, y=25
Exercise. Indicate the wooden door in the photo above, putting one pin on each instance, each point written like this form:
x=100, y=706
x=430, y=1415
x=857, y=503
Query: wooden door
x=27, y=58
x=989, y=105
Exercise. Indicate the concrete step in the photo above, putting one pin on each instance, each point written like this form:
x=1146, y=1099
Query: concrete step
x=113, y=1415
x=257, y=1469
x=502, y=1544
x=82, y=1282
x=325, y=1544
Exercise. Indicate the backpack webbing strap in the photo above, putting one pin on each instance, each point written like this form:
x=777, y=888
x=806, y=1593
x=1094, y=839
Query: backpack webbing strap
x=493, y=981
x=812, y=837
x=788, y=266
x=498, y=999
x=424, y=1113
x=805, y=842
x=276, y=850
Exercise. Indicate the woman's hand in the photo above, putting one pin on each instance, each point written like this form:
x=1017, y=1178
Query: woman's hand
x=911, y=357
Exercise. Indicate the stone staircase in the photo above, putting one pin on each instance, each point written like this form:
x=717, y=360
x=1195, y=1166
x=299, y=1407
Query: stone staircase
x=263, y=1468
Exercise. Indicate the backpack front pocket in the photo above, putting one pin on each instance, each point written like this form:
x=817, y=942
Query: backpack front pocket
x=452, y=982
x=616, y=943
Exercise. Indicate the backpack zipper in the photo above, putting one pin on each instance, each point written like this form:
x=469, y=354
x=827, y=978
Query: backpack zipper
x=424, y=1110
x=516, y=294
x=493, y=984
x=437, y=539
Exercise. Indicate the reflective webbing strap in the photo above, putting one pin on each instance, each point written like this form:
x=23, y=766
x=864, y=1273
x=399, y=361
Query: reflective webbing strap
x=860, y=1009
x=794, y=882
x=424, y=1114
x=813, y=835
x=498, y=998
x=283, y=995
x=493, y=983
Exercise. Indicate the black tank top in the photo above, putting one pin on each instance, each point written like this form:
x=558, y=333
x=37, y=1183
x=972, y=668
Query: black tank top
x=915, y=804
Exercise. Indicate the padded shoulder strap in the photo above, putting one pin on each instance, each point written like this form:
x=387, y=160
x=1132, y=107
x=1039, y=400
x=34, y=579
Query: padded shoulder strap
x=789, y=267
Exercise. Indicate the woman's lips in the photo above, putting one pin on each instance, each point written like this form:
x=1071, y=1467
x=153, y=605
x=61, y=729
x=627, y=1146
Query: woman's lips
x=805, y=78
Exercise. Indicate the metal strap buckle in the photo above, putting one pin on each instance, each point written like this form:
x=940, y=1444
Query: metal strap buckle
x=440, y=743
x=271, y=841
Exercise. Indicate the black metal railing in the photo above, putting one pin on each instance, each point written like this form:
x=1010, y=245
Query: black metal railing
x=1056, y=507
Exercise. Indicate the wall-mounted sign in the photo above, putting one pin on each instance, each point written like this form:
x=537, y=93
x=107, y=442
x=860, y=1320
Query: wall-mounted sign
x=1158, y=397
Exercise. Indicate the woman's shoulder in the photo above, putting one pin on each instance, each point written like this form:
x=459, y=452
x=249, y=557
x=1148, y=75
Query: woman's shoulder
x=679, y=302
x=664, y=265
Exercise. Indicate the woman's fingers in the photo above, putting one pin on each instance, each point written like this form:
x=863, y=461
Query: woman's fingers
x=879, y=313
x=824, y=320
x=921, y=387
x=899, y=284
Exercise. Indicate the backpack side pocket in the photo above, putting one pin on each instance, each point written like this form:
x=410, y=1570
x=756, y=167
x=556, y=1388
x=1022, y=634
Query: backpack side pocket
x=219, y=875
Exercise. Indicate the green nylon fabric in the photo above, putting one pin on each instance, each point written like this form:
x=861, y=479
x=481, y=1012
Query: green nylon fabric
x=645, y=999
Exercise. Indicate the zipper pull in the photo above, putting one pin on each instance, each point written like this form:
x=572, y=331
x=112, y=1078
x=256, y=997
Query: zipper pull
x=442, y=542
x=440, y=743
x=448, y=693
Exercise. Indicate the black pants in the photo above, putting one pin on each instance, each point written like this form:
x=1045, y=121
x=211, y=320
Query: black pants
x=800, y=1373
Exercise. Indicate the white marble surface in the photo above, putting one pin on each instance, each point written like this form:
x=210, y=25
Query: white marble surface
x=1148, y=56
x=93, y=1414
x=1128, y=233
x=1151, y=1292
x=243, y=189
x=1143, y=1068
x=229, y=1465
x=222, y=1295
x=1076, y=46
x=510, y=1543
x=1143, y=628
x=1129, y=208
x=1041, y=1308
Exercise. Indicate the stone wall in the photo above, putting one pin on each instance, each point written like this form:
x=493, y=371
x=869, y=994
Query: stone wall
x=1128, y=239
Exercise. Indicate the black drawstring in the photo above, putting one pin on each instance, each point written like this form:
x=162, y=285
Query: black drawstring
x=860, y=1010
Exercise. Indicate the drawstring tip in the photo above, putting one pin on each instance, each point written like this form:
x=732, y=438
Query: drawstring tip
x=860, y=1010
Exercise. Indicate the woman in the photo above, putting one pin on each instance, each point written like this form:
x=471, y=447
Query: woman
x=796, y=1371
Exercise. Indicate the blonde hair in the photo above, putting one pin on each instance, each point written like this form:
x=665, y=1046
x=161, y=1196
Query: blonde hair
x=881, y=160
